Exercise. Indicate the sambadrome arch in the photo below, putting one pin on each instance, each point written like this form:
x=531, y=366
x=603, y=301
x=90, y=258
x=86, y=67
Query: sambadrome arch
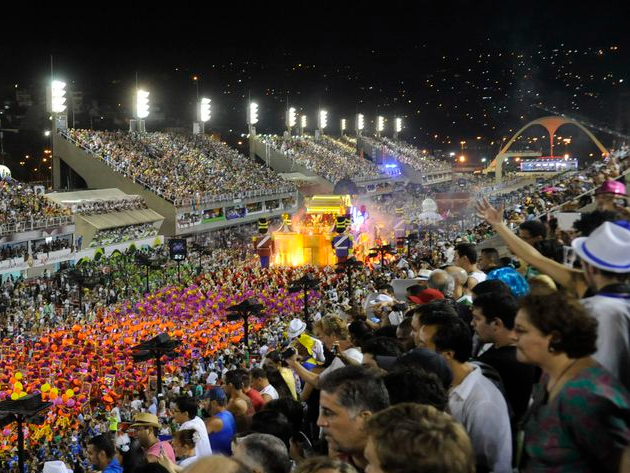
x=551, y=124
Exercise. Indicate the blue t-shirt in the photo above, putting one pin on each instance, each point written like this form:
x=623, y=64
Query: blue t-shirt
x=221, y=441
x=113, y=467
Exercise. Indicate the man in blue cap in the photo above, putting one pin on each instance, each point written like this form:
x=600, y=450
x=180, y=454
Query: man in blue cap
x=222, y=425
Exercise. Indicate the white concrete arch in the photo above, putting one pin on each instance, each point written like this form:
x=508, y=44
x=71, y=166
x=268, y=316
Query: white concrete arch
x=551, y=124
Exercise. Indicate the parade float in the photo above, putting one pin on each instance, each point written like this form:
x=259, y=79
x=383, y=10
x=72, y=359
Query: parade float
x=327, y=230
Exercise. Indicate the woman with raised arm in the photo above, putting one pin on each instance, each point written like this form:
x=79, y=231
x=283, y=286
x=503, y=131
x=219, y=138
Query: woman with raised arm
x=572, y=280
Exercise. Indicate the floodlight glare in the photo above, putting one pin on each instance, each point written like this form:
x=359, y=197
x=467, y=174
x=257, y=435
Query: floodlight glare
x=343, y=124
x=204, y=109
x=291, y=117
x=323, y=119
x=303, y=121
x=360, y=121
x=58, y=92
x=142, y=103
x=398, y=125
x=253, y=113
x=380, y=124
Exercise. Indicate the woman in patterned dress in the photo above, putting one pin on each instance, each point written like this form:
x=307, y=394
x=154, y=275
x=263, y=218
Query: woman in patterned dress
x=579, y=420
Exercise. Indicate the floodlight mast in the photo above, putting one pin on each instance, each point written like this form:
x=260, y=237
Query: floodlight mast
x=203, y=115
x=290, y=119
x=360, y=123
x=397, y=127
x=380, y=125
x=252, y=119
x=142, y=111
x=302, y=124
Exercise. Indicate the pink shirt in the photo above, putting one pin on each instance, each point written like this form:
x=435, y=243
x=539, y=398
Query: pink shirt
x=168, y=450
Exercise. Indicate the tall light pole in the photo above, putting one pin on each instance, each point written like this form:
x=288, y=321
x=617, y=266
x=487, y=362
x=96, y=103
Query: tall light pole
x=397, y=127
x=56, y=106
x=290, y=119
x=343, y=126
x=322, y=121
x=203, y=115
x=142, y=111
x=252, y=119
x=360, y=123
x=380, y=125
x=302, y=124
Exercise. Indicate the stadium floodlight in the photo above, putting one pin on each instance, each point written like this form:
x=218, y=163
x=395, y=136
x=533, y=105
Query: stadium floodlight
x=204, y=109
x=291, y=120
x=323, y=119
x=58, y=99
x=343, y=124
x=142, y=103
x=380, y=123
x=360, y=121
x=303, y=121
x=398, y=125
x=252, y=116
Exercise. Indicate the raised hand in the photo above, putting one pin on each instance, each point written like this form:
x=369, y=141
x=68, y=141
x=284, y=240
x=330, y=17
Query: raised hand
x=487, y=212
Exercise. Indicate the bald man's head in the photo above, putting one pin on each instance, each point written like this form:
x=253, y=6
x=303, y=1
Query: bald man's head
x=215, y=463
x=459, y=275
x=442, y=281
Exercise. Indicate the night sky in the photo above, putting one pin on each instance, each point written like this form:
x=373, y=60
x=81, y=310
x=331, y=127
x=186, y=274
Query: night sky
x=453, y=70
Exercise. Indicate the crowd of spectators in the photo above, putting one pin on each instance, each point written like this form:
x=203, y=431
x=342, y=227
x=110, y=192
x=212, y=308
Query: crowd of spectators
x=325, y=157
x=475, y=366
x=55, y=245
x=19, y=202
x=181, y=168
x=111, y=236
x=100, y=206
x=13, y=251
x=446, y=373
x=419, y=160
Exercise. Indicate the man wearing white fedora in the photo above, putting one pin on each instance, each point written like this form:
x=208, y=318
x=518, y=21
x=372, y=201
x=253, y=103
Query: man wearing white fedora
x=605, y=256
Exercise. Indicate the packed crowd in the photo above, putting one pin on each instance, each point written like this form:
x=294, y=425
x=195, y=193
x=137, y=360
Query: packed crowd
x=325, y=157
x=13, y=251
x=55, y=245
x=480, y=363
x=449, y=372
x=20, y=203
x=95, y=207
x=179, y=167
x=111, y=236
x=566, y=192
x=407, y=154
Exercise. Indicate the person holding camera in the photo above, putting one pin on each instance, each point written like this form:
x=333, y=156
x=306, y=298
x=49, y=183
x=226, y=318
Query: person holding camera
x=336, y=338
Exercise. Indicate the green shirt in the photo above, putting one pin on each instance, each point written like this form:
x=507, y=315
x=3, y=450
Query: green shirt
x=581, y=429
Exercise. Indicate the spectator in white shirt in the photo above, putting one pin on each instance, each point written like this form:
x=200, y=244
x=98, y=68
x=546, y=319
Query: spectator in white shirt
x=136, y=404
x=473, y=399
x=185, y=414
x=151, y=407
x=212, y=378
x=261, y=384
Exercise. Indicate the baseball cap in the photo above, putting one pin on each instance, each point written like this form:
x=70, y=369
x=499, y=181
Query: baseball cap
x=215, y=394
